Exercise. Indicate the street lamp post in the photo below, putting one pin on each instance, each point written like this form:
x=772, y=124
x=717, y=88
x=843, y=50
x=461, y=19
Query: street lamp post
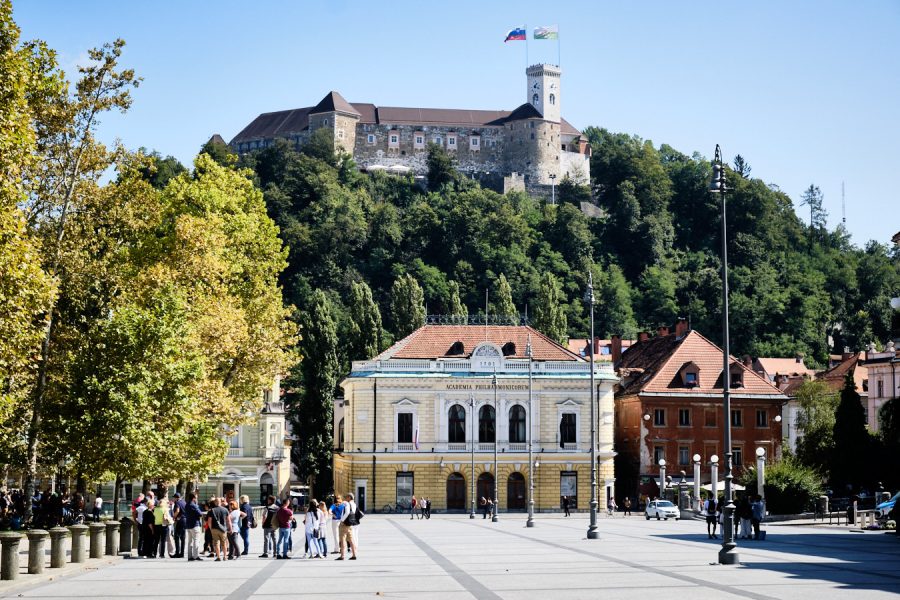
x=552, y=188
x=530, y=521
x=472, y=444
x=494, y=518
x=697, y=506
x=761, y=474
x=714, y=477
x=592, y=528
x=662, y=479
x=728, y=555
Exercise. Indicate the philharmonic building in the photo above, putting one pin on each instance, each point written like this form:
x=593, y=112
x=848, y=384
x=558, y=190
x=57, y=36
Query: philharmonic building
x=423, y=419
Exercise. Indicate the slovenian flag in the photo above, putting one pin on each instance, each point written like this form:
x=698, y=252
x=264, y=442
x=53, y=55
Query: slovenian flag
x=515, y=34
x=416, y=438
x=550, y=32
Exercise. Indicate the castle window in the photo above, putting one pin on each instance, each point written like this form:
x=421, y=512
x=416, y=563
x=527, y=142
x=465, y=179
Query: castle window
x=370, y=139
x=437, y=140
x=474, y=143
x=324, y=121
x=451, y=142
x=535, y=100
x=340, y=134
x=393, y=140
x=552, y=98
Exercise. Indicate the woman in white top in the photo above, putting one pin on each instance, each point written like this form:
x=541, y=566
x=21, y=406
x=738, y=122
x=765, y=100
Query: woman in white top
x=324, y=516
x=98, y=507
x=311, y=526
x=234, y=529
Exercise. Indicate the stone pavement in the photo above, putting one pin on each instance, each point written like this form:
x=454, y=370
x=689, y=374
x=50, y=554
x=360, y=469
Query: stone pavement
x=452, y=557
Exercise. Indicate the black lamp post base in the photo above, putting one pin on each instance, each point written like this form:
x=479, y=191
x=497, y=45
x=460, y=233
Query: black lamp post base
x=494, y=519
x=529, y=523
x=593, y=534
x=728, y=555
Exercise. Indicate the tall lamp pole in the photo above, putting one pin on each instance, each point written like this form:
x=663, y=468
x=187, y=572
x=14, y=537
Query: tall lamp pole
x=472, y=444
x=494, y=518
x=728, y=555
x=592, y=528
x=530, y=521
x=552, y=188
x=761, y=474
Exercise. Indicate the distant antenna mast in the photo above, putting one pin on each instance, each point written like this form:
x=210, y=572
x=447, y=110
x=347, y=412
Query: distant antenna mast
x=843, y=206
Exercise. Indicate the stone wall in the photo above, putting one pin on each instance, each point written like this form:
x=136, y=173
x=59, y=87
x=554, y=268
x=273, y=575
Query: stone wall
x=532, y=148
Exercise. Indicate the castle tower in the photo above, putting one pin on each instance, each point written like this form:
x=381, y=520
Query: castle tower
x=338, y=116
x=543, y=90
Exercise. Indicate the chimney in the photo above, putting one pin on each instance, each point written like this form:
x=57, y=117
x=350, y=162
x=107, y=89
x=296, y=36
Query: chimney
x=662, y=331
x=748, y=362
x=643, y=336
x=681, y=327
x=615, y=348
x=799, y=358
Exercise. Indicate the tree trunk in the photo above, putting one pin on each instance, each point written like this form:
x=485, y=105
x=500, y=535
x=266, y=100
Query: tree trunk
x=116, y=497
x=163, y=488
x=34, y=426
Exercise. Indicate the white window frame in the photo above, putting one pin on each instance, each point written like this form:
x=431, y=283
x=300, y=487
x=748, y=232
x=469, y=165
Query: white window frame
x=370, y=139
x=405, y=405
x=568, y=406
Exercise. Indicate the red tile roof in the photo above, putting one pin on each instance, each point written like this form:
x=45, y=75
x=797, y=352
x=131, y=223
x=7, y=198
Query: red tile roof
x=435, y=341
x=332, y=102
x=653, y=366
x=784, y=366
x=834, y=377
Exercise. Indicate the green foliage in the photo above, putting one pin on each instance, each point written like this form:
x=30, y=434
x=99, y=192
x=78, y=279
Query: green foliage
x=365, y=323
x=791, y=488
x=407, y=305
x=503, y=303
x=816, y=425
x=219, y=152
x=549, y=316
x=441, y=168
x=456, y=307
x=852, y=445
x=159, y=171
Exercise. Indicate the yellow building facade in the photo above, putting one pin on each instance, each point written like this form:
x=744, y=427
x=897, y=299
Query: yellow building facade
x=424, y=419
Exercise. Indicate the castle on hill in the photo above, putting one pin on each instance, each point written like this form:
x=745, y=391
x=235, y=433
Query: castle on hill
x=531, y=146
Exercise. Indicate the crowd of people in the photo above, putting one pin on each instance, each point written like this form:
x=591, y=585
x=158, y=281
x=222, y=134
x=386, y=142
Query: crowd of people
x=175, y=528
x=48, y=508
x=422, y=506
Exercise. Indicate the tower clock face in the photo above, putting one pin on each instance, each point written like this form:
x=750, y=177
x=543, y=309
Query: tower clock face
x=536, y=86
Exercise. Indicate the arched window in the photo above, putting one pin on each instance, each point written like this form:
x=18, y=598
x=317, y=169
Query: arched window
x=457, y=425
x=552, y=98
x=534, y=100
x=486, y=430
x=517, y=425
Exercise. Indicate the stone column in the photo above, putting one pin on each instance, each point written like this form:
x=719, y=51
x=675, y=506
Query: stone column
x=58, y=537
x=97, y=530
x=10, y=561
x=78, y=542
x=37, y=541
x=112, y=538
x=125, y=535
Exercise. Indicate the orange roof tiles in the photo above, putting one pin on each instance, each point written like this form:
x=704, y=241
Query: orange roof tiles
x=784, y=366
x=834, y=377
x=435, y=341
x=653, y=366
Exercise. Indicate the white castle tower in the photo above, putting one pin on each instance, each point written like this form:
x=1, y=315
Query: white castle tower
x=543, y=90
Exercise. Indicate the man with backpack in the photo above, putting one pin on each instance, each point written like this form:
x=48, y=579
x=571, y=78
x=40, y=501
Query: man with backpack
x=269, y=524
x=350, y=514
x=711, y=517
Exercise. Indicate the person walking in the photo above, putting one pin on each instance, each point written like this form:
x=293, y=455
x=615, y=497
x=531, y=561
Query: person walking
x=611, y=507
x=427, y=508
x=311, y=529
x=712, y=521
x=348, y=521
x=193, y=517
x=626, y=507
x=565, y=506
x=248, y=522
x=412, y=508
x=284, y=516
x=484, y=507
x=336, y=512
x=269, y=524
x=743, y=512
x=422, y=502
x=98, y=507
x=758, y=512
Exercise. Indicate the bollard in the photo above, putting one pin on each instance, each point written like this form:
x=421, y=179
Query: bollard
x=78, y=542
x=58, y=537
x=125, y=536
x=97, y=530
x=37, y=540
x=112, y=538
x=10, y=560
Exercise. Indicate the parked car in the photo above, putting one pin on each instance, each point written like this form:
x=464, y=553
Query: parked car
x=662, y=509
x=884, y=509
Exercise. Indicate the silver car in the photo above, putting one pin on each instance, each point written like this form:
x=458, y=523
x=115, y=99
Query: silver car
x=662, y=509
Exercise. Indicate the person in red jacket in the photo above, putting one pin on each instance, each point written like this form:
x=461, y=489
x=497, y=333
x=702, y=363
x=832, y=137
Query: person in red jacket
x=284, y=516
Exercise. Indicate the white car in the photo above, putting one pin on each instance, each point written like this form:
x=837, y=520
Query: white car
x=662, y=509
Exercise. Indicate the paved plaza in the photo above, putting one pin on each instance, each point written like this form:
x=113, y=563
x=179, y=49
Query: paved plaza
x=455, y=558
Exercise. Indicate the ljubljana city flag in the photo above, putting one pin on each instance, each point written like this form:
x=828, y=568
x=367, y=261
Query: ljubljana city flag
x=515, y=34
x=550, y=32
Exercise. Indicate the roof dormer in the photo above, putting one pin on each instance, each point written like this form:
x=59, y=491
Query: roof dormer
x=689, y=374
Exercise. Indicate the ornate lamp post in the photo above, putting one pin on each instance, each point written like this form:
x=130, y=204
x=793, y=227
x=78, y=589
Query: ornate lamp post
x=728, y=555
x=494, y=518
x=592, y=528
x=697, y=506
x=552, y=188
x=662, y=479
x=714, y=476
x=761, y=474
x=472, y=444
x=530, y=521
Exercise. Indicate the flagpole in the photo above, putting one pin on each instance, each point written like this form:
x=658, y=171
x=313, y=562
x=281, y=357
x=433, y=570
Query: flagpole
x=558, y=60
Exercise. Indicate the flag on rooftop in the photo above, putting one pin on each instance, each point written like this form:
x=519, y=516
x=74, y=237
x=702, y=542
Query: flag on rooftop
x=550, y=32
x=515, y=34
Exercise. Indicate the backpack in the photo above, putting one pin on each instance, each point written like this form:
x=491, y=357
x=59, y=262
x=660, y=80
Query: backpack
x=355, y=515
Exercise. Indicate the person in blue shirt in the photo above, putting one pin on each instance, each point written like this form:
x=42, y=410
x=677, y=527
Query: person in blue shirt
x=337, y=511
x=193, y=519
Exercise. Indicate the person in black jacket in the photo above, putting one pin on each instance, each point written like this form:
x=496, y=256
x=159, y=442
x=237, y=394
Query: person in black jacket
x=269, y=525
x=246, y=523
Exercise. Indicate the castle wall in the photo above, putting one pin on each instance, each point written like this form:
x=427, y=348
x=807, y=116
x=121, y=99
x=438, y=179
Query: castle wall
x=576, y=165
x=533, y=148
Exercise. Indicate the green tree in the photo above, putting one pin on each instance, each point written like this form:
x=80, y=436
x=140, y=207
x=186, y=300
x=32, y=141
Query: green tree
x=815, y=423
x=310, y=395
x=503, y=303
x=159, y=171
x=657, y=293
x=549, y=316
x=813, y=198
x=407, y=306
x=365, y=323
x=614, y=297
x=219, y=151
x=851, y=439
x=441, y=168
x=457, y=309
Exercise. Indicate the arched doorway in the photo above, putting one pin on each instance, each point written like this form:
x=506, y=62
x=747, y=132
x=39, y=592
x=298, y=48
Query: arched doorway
x=485, y=486
x=266, y=487
x=515, y=492
x=456, y=492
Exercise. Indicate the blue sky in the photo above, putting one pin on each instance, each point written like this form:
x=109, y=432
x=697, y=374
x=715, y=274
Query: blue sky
x=807, y=91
